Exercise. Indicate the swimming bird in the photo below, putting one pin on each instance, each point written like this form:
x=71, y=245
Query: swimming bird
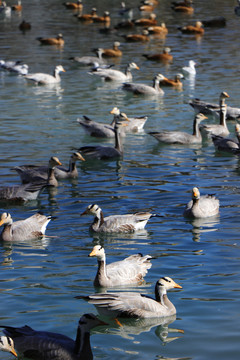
x=5, y=10
x=215, y=22
x=137, y=37
x=158, y=29
x=18, y=6
x=96, y=129
x=6, y=344
x=115, y=75
x=180, y=137
x=126, y=12
x=88, y=17
x=36, y=173
x=127, y=223
x=58, y=40
x=136, y=305
x=90, y=60
x=134, y=124
x=103, y=19
x=142, y=89
x=25, y=26
x=20, y=69
x=114, y=52
x=131, y=270
x=183, y=6
x=176, y=82
x=45, y=345
x=106, y=152
x=9, y=63
x=151, y=20
x=193, y=29
x=201, y=206
x=221, y=128
x=71, y=172
x=21, y=193
x=30, y=228
x=164, y=57
x=74, y=5
x=226, y=144
x=46, y=79
x=190, y=69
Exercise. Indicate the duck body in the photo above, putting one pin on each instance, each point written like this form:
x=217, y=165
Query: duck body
x=20, y=69
x=128, y=271
x=134, y=124
x=173, y=82
x=74, y=5
x=90, y=60
x=127, y=223
x=21, y=193
x=158, y=29
x=136, y=305
x=137, y=37
x=96, y=129
x=190, y=69
x=46, y=79
x=114, y=52
x=30, y=228
x=45, y=345
x=142, y=89
x=151, y=21
x=191, y=29
x=201, y=207
x=180, y=137
x=164, y=57
x=59, y=41
x=227, y=145
x=115, y=75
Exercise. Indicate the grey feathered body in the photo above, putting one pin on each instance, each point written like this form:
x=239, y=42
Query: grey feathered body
x=21, y=193
x=205, y=206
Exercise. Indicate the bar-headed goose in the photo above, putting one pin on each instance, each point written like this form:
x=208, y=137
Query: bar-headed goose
x=226, y=144
x=143, y=89
x=201, y=206
x=6, y=344
x=180, y=137
x=217, y=129
x=136, y=305
x=45, y=79
x=30, y=228
x=45, y=345
x=134, y=124
x=96, y=129
x=128, y=271
x=22, y=193
x=90, y=60
x=127, y=223
x=35, y=173
x=72, y=171
x=106, y=152
x=115, y=75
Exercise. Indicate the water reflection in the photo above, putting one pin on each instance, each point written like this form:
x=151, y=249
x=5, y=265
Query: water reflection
x=202, y=226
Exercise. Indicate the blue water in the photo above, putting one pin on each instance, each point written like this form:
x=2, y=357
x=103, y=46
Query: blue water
x=40, y=278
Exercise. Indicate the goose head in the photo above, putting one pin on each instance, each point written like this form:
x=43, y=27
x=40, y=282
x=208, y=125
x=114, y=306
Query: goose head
x=195, y=193
x=58, y=69
x=200, y=117
x=89, y=321
x=54, y=161
x=133, y=65
x=115, y=111
x=6, y=344
x=158, y=78
x=92, y=209
x=224, y=95
x=167, y=283
x=98, y=251
x=5, y=219
x=77, y=156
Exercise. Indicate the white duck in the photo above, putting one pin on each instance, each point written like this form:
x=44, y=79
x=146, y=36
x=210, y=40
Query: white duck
x=128, y=271
x=45, y=79
x=115, y=75
x=190, y=69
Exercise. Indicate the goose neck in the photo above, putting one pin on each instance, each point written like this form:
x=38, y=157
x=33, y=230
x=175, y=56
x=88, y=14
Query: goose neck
x=82, y=344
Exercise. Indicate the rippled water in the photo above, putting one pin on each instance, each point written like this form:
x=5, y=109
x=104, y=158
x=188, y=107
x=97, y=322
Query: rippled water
x=39, y=279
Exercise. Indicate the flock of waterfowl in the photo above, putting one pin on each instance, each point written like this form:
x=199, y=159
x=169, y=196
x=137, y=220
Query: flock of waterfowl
x=34, y=178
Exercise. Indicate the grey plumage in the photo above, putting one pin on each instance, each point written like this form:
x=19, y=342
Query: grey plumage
x=226, y=144
x=115, y=75
x=201, y=207
x=96, y=129
x=128, y=271
x=90, y=60
x=134, y=124
x=30, y=228
x=127, y=223
x=136, y=305
x=45, y=79
x=180, y=137
x=143, y=89
x=22, y=193
x=45, y=345
x=72, y=171
x=35, y=173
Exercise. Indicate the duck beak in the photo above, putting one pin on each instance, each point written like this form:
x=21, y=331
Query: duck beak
x=84, y=213
x=137, y=67
x=93, y=253
x=14, y=353
x=177, y=286
x=80, y=157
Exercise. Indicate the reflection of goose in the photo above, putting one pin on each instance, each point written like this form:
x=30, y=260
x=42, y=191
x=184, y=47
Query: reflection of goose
x=201, y=207
x=128, y=271
x=43, y=79
x=180, y=137
x=225, y=144
x=35, y=173
x=106, y=152
x=115, y=75
x=116, y=223
x=6, y=344
x=132, y=304
x=45, y=345
x=142, y=89
x=30, y=228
